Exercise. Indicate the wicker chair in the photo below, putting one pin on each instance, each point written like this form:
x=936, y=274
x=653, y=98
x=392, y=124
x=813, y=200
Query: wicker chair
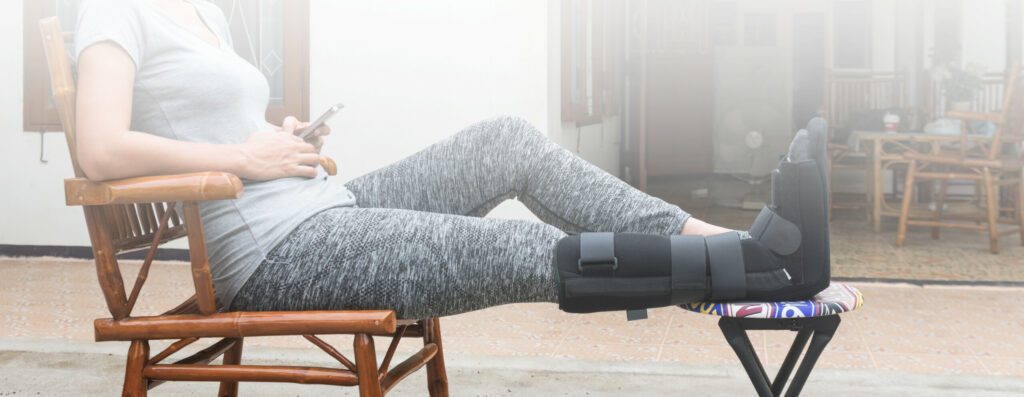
x=990, y=162
x=140, y=213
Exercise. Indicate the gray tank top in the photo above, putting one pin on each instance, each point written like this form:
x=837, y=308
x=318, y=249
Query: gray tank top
x=191, y=90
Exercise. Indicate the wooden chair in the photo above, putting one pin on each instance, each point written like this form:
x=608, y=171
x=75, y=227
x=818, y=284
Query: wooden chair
x=991, y=162
x=140, y=213
x=847, y=95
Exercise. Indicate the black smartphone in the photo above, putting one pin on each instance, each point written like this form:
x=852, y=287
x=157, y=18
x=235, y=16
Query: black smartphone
x=306, y=132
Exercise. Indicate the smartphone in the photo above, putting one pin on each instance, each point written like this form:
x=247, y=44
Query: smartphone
x=306, y=132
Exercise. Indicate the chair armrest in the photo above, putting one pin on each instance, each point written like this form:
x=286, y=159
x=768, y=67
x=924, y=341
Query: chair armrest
x=329, y=165
x=242, y=324
x=996, y=118
x=202, y=186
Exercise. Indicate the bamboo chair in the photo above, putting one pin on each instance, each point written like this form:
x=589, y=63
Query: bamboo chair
x=993, y=164
x=140, y=213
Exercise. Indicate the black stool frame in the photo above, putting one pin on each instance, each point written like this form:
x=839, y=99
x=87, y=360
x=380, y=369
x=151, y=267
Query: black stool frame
x=817, y=330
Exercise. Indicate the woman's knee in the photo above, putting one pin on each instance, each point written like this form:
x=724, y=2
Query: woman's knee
x=508, y=130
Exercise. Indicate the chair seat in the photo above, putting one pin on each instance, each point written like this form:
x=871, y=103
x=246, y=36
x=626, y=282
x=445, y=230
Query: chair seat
x=994, y=117
x=837, y=298
x=953, y=158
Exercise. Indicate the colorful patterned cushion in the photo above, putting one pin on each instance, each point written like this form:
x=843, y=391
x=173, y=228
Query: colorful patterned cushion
x=837, y=298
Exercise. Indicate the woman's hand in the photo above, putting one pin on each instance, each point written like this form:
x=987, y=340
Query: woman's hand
x=292, y=124
x=273, y=155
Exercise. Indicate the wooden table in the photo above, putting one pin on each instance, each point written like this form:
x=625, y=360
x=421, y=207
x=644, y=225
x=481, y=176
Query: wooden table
x=886, y=150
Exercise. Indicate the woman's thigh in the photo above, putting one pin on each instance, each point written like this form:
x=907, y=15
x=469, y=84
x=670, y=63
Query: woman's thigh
x=469, y=173
x=476, y=169
x=417, y=263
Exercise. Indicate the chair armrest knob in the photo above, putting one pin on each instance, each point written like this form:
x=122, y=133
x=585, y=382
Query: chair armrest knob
x=329, y=165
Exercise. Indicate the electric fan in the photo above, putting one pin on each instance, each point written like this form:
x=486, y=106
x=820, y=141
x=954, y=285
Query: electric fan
x=753, y=114
x=749, y=152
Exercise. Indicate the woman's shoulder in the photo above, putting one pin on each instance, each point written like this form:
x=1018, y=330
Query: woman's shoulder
x=112, y=5
x=111, y=10
x=120, y=21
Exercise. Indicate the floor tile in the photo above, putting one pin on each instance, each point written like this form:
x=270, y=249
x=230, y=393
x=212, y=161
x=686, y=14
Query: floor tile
x=930, y=363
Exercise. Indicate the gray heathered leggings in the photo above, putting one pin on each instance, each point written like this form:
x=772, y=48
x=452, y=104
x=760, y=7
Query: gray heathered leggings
x=417, y=243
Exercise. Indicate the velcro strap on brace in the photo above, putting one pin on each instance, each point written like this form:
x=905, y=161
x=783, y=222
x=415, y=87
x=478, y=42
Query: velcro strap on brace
x=776, y=233
x=689, y=268
x=597, y=254
x=728, y=273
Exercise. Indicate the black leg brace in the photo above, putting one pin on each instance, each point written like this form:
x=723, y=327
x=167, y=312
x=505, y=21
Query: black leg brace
x=606, y=271
x=800, y=198
x=786, y=256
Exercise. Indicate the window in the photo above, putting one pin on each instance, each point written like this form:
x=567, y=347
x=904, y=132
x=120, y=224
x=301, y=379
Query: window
x=40, y=113
x=275, y=38
x=272, y=36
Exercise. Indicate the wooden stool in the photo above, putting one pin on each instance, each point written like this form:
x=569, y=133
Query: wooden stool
x=814, y=320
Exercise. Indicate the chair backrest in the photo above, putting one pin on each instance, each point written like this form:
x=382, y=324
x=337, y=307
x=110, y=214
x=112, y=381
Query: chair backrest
x=1012, y=89
x=113, y=229
x=1011, y=92
x=1005, y=123
x=1015, y=106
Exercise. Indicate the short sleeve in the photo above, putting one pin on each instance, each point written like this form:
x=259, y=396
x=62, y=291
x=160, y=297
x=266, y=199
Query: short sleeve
x=116, y=21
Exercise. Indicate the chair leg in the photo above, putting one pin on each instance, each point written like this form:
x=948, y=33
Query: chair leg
x=366, y=366
x=135, y=384
x=992, y=210
x=740, y=343
x=940, y=202
x=437, y=376
x=1020, y=207
x=231, y=357
x=908, y=197
x=828, y=188
x=822, y=336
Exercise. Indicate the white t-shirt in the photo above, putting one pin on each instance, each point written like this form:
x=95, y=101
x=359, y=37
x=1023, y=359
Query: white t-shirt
x=191, y=90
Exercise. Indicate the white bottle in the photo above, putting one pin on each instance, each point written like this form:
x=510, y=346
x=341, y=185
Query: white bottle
x=892, y=122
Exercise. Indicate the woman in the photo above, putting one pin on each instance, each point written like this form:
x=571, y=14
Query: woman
x=160, y=91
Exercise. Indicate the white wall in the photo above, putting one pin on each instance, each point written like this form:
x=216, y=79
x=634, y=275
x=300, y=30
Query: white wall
x=32, y=210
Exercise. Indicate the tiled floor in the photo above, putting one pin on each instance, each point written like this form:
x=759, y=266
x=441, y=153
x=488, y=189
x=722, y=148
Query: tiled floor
x=930, y=330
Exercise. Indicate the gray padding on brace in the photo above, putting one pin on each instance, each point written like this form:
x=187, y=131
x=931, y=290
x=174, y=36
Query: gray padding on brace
x=597, y=248
x=583, y=287
x=799, y=148
x=689, y=268
x=776, y=233
x=728, y=273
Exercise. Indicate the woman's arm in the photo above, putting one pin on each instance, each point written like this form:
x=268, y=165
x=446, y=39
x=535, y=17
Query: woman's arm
x=108, y=149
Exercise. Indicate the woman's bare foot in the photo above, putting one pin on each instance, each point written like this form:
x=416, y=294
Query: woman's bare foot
x=695, y=226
